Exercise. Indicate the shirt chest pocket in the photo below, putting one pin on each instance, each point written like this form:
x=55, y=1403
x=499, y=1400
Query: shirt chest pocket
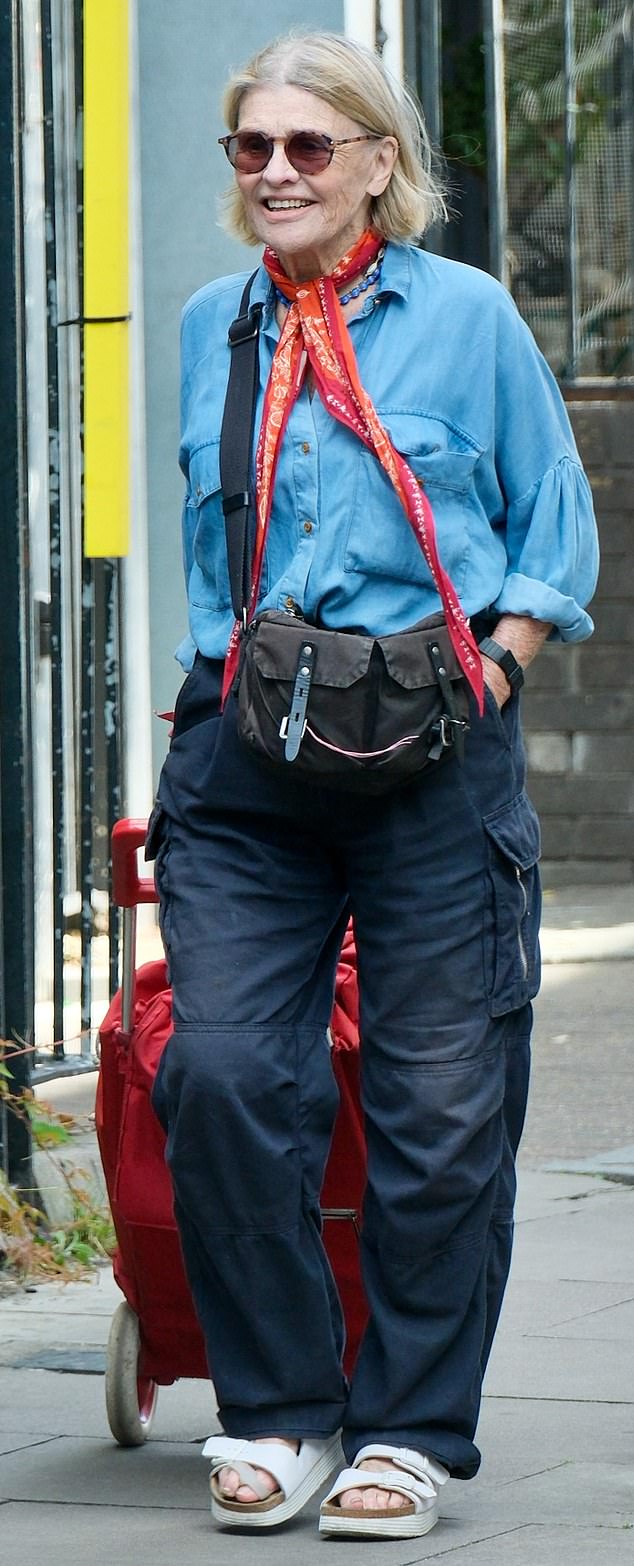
x=209, y=586
x=380, y=538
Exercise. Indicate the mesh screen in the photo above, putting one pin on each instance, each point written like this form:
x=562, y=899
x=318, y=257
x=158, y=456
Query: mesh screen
x=570, y=173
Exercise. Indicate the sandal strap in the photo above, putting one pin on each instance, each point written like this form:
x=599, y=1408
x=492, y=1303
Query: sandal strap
x=419, y=1491
x=417, y=1463
x=244, y=1456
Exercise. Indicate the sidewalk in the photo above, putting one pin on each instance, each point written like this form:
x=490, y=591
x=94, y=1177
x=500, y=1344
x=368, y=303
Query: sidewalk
x=557, y=1430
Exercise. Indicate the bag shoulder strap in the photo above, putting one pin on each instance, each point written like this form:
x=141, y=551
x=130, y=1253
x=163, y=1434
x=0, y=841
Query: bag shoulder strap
x=236, y=443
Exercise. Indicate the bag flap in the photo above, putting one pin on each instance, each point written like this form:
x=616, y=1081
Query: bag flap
x=341, y=658
x=407, y=657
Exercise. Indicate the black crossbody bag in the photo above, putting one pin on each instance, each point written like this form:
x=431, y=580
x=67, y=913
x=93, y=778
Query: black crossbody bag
x=351, y=711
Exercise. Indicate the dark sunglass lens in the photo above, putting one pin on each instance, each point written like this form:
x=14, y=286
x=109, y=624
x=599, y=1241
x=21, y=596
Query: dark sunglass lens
x=309, y=154
x=249, y=151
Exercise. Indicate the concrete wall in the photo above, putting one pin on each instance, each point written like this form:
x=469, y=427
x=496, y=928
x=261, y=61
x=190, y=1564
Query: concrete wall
x=579, y=701
x=186, y=51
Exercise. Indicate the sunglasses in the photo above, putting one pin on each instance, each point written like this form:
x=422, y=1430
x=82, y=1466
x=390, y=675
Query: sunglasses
x=307, y=151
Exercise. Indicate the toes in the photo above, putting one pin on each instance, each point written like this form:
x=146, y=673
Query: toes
x=245, y=1495
x=375, y=1500
x=352, y=1499
x=232, y=1489
x=228, y=1482
x=371, y=1500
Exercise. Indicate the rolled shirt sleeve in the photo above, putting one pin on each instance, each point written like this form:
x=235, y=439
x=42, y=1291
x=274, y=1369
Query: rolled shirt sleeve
x=552, y=553
x=550, y=531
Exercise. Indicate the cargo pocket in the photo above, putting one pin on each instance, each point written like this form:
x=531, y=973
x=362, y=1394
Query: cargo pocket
x=513, y=958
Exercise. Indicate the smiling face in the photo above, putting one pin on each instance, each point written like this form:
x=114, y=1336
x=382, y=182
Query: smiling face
x=310, y=221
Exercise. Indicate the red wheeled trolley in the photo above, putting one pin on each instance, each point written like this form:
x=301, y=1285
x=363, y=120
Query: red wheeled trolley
x=155, y=1338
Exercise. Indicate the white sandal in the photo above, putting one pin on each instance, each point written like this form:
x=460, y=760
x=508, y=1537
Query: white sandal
x=297, y=1474
x=418, y=1483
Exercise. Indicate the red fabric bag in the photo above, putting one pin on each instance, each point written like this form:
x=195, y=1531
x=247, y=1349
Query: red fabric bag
x=147, y=1264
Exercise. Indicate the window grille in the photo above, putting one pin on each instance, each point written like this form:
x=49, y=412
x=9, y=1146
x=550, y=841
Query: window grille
x=568, y=245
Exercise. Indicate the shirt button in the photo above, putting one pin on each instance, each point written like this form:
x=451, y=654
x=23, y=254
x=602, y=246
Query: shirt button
x=306, y=447
x=290, y=602
x=308, y=527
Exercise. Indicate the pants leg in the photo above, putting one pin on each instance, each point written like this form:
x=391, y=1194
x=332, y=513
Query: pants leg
x=445, y=972
x=253, y=914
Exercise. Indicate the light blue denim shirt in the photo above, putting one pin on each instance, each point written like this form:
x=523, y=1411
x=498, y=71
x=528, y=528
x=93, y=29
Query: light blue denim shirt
x=460, y=384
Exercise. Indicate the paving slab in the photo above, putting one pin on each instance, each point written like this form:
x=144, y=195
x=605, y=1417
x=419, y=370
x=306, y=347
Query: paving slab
x=96, y=1472
x=543, y=1192
x=593, y=1243
x=38, y=1403
x=563, y=1368
x=521, y=1436
x=96, y=1535
x=608, y=1323
x=557, y=1494
x=571, y=1309
x=14, y=1441
x=539, y=1545
x=617, y=1164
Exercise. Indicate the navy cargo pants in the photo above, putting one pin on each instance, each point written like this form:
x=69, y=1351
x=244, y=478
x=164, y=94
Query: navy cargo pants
x=257, y=876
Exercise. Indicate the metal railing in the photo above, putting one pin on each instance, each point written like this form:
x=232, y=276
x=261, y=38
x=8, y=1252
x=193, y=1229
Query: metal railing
x=60, y=764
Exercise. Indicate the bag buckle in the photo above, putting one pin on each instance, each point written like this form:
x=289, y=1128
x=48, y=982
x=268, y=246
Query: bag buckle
x=449, y=731
x=293, y=726
x=283, y=728
x=245, y=327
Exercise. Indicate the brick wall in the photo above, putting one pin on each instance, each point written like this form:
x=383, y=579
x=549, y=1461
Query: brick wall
x=579, y=700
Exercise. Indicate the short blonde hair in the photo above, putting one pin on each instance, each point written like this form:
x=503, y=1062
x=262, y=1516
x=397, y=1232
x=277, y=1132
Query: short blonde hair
x=353, y=80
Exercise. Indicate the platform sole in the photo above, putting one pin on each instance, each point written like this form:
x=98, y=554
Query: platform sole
x=363, y=1526
x=237, y=1516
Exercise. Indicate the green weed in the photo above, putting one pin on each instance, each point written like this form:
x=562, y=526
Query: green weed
x=29, y=1248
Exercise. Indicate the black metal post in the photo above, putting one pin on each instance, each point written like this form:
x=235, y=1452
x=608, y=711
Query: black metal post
x=16, y=801
x=112, y=727
x=55, y=535
x=87, y=790
x=87, y=635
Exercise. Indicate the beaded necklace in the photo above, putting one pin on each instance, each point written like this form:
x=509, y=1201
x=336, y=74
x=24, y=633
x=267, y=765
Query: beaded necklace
x=373, y=275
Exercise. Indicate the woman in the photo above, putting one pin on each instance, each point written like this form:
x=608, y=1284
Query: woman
x=258, y=873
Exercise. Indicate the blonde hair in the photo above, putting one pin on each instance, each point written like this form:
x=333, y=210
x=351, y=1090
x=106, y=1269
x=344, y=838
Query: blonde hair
x=353, y=80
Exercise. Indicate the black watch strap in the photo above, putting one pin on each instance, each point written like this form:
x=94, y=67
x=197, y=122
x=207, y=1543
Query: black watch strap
x=506, y=659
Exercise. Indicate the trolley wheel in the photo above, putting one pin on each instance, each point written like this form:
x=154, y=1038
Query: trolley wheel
x=130, y=1398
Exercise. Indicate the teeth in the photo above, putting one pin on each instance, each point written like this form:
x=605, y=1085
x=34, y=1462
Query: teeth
x=281, y=206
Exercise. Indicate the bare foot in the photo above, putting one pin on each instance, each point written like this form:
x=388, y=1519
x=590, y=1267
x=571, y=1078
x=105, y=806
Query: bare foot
x=229, y=1482
x=374, y=1500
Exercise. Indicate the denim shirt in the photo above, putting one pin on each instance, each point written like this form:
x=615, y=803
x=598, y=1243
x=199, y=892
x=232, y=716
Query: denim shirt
x=459, y=383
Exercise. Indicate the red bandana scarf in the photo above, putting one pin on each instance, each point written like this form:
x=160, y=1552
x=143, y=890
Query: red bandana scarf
x=315, y=333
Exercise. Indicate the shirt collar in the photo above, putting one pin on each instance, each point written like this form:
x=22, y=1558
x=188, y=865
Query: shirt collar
x=395, y=279
x=396, y=271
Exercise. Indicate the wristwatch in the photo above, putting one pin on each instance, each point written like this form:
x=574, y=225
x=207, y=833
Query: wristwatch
x=506, y=659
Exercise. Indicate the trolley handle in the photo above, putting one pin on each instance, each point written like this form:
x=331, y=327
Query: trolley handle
x=128, y=887
x=128, y=890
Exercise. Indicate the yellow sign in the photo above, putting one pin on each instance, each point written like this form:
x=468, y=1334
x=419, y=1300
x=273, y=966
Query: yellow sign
x=106, y=279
